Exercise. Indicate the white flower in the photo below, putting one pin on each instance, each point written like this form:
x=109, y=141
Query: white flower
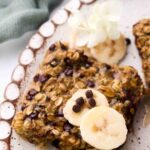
x=95, y=26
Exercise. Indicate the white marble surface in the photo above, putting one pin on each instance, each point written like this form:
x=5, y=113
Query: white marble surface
x=9, y=55
x=9, y=52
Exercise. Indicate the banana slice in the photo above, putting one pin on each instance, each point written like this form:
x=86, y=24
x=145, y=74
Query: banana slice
x=103, y=128
x=81, y=102
x=111, y=51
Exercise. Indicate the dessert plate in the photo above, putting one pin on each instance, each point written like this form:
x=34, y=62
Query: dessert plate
x=57, y=29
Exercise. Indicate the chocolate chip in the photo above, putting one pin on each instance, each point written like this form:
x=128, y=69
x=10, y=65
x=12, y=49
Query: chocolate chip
x=90, y=84
x=52, y=47
x=29, y=97
x=44, y=78
x=67, y=127
x=88, y=64
x=23, y=107
x=63, y=47
x=84, y=58
x=36, y=78
x=89, y=94
x=81, y=75
x=128, y=41
x=68, y=71
x=48, y=98
x=33, y=115
x=92, y=102
x=59, y=113
x=32, y=92
x=80, y=101
x=132, y=141
x=51, y=123
x=67, y=61
x=78, y=135
x=76, y=108
x=108, y=67
x=56, y=143
x=54, y=63
x=97, y=70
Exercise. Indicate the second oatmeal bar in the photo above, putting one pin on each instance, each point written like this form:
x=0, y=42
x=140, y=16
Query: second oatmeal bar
x=62, y=72
x=141, y=31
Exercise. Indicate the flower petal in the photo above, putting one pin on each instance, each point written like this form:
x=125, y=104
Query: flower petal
x=102, y=23
x=111, y=9
x=82, y=39
x=113, y=31
x=96, y=38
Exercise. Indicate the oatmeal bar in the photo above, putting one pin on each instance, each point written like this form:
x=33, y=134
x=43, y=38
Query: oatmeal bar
x=63, y=72
x=141, y=31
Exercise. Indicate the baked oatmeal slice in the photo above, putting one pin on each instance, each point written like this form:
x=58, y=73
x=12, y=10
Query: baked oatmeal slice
x=141, y=31
x=62, y=73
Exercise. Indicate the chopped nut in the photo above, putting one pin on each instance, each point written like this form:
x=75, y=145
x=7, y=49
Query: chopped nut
x=55, y=132
x=64, y=135
x=54, y=98
x=29, y=110
x=54, y=63
x=39, y=96
x=27, y=123
x=58, y=102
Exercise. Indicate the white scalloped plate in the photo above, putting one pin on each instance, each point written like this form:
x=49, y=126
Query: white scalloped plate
x=57, y=29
